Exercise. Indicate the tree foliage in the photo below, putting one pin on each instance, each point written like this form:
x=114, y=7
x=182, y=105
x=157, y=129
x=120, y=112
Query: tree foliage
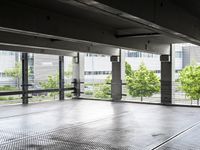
x=68, y=72
x=103, y=90
x=142, y=82
x=128, y=69
x=51, y=83
x=189, y=78
x=7, y=88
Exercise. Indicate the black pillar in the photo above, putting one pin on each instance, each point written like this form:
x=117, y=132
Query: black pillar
x=61, y=78
x=25, y=78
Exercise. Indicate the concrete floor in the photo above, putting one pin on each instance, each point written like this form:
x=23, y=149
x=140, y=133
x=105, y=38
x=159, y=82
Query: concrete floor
x=82, y=124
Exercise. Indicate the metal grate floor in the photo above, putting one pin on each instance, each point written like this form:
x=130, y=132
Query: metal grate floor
x=77, y=125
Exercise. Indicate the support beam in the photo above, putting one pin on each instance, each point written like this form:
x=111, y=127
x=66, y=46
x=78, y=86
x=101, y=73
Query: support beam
x=116, y=83
x=25, y=78
x=27, y=43
x=61, y=78
x=32, y=49
x=167, y=77
x=78, y=74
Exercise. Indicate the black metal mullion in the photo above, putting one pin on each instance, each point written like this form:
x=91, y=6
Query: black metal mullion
x=24, y=78
x=61, y=78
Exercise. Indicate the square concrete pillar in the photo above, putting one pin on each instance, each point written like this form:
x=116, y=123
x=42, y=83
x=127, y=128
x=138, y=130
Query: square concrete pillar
x=78, y=74
x=122, y=61
x=117, y=74
x=167, y=77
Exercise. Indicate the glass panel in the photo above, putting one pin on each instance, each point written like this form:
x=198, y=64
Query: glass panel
x=43, y=74
x=141, y=77
x=97, y=77
x=10, y=76
x=68, y=76
x=187, y=74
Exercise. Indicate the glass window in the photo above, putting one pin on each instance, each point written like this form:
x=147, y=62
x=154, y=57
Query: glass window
x=178, y=54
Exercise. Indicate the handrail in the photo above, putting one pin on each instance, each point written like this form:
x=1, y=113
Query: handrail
x=34, y=91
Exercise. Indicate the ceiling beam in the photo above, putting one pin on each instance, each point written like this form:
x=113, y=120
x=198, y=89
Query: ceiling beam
x=30, y=49
x=27, y=43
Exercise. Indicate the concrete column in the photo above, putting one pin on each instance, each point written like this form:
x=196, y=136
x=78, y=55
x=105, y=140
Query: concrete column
x=167, y=77
x=116, y=83
x=25, y=78
x=78, y=74
x=123, y=74
x=122, y=61
x=61, y=78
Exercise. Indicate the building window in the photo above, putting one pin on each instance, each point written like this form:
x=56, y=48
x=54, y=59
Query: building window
x=97, y=72
x=95, y=55
x=178, y=54
x=3, y=75
x=134, y=54
x=140, y=54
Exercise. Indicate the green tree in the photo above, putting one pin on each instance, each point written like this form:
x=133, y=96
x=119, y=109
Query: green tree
x=68, y=76
x=103, y=90
x=189, y=78
x=128, y=69
x=15, y=73
x=68, y=72
x=51, y=83
x=142, y=83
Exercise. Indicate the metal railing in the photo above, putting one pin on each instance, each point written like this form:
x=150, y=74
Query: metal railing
x=34, y=91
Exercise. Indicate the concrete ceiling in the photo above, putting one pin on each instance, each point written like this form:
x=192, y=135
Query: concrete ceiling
x=191, y=6
x=149, y=26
